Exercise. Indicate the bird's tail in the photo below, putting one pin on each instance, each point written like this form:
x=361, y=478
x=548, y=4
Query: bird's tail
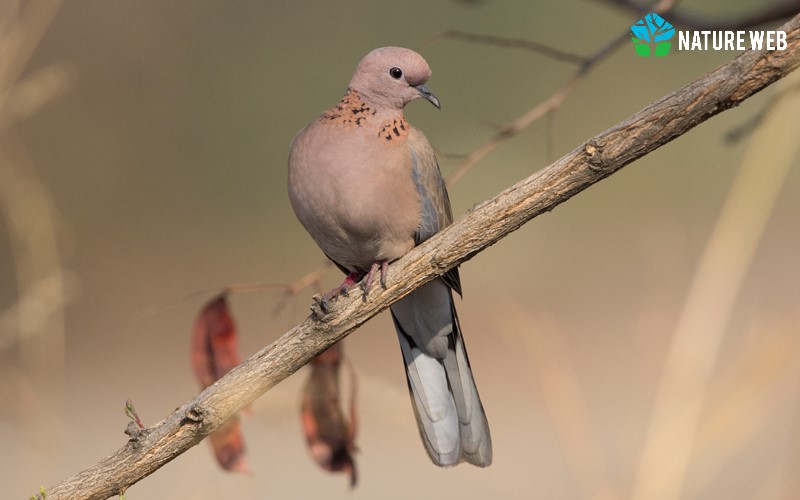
x=449, y=412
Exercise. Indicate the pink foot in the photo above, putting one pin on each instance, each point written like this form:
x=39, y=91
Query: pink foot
x=350, y=281
x=366, y=283
x=343, y=289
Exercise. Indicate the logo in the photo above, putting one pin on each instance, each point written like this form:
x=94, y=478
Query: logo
x=651, y=35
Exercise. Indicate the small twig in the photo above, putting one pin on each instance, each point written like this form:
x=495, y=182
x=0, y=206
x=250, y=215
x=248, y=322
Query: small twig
x=448, y=155
x=549, y=105
x=312, y=279
x=517, y=43
x=308, y=280
x=738, y=133
x=130, y=411
x=552, y=130
x=544, y=107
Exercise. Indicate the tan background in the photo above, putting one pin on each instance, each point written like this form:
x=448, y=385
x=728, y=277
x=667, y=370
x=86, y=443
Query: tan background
x=164, y=166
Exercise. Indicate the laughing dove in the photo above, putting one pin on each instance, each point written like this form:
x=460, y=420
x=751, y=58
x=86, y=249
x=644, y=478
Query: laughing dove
x=366, y=186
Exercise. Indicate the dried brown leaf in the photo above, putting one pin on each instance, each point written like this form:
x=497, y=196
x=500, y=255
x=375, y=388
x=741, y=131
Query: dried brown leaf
x=330, y=434
x=215, y=351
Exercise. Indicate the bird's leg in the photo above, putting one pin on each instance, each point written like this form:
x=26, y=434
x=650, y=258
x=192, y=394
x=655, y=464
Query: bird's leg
x=350, y=280
x=353, y=278
x=366, y=283
x=384, y=269
x=348, y=283
x=342, y=289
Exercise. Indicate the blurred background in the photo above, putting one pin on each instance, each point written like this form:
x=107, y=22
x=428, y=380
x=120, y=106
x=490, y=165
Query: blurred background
x=641, y=340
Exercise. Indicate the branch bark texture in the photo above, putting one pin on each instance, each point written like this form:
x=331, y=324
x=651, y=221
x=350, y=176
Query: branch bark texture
x=484, y=225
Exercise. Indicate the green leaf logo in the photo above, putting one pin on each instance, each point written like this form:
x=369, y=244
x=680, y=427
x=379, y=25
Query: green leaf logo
x=651, y=35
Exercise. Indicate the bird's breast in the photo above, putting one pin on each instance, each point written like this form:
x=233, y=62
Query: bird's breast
x=354, y=193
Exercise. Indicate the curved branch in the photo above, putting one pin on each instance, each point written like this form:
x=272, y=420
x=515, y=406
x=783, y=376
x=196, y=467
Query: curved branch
x=779, y=10
x=654, y=126
x=516, y=43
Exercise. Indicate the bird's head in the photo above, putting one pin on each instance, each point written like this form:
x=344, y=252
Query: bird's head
x=393, y=76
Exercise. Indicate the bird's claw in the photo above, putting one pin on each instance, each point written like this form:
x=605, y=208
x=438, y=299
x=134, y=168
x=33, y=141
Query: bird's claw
x=324, y=300
x=378, y=266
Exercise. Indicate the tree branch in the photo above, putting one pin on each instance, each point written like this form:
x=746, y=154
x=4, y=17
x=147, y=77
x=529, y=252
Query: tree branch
x=484, y=225
x=779, y=10
x=516, y=43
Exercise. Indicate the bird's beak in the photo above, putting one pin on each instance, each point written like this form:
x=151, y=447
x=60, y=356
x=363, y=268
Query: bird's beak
x=427, y=94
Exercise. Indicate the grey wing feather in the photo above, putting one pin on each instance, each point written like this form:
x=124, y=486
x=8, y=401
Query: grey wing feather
x=447, y=406
x=436, y=212
x=449, y=413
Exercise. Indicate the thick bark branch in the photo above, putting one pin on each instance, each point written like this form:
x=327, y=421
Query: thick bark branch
x=484, y=225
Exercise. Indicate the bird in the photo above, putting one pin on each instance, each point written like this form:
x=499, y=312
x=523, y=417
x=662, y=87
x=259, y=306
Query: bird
x=366, y=186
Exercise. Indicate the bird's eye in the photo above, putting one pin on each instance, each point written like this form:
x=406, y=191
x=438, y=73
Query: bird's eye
x=396, y=73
